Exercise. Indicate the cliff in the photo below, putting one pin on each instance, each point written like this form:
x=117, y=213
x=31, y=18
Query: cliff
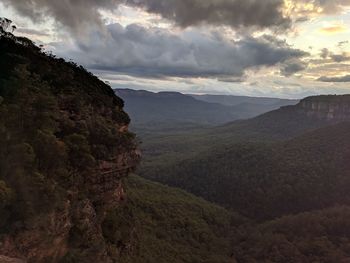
x=64, y=150
x=330, y=108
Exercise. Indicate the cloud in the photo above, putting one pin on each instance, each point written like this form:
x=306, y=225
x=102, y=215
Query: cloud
x=332, y=6
x=340, y=57
x=343, y=43
x=302, y=10
x=156, y=52
x=326, y=54
x=292, y=66
x=334, y=29
x=232, y=79
x=234, y=13
x=345, y=78
x=32, y=32
x=78, y=14
x=72, y=14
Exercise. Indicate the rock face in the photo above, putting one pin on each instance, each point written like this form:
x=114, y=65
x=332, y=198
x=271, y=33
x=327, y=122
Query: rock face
x=4, y=259
x=105, y=186
x=29, y=246
x=330, y=108
x=83, y=216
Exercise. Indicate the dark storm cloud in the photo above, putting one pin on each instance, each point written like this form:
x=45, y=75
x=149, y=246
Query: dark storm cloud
x=156, y=52
x=335, y=79
x=73, y=14
x=219, y=12
x=292, y=66
x=76, y=14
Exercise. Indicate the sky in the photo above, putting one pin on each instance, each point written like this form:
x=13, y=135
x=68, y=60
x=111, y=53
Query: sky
x=265, y=48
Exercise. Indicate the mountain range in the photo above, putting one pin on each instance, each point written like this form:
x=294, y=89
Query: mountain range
x=252, y=106
x=169, y=110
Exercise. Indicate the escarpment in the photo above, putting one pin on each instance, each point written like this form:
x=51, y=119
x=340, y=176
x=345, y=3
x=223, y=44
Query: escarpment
x=331, y=108
x=64, y=151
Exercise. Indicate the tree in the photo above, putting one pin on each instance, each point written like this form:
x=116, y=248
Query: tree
x=13, y=27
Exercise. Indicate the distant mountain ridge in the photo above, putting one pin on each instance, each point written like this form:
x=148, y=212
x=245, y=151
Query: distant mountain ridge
x=161, y=108
x=289, y=121
x=233, y=100
x=156, y=109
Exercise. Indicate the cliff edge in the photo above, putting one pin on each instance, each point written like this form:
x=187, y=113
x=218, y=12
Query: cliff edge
x=327, y=107
x=64, y=150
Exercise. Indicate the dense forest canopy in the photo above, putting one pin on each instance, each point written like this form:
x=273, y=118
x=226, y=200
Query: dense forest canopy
x=267, y=180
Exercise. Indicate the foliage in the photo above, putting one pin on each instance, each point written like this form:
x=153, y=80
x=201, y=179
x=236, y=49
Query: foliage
x=267, y=180
x=318, y=236
x=169, y=146
x=169, y=225
x=49, y=109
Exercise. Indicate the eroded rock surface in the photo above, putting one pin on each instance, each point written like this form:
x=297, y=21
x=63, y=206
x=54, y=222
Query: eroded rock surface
x=330, y=108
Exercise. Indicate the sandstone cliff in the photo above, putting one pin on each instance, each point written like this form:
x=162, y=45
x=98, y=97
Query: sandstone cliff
x=330, y=108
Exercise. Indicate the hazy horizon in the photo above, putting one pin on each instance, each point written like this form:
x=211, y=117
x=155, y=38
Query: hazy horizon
x=223, y=94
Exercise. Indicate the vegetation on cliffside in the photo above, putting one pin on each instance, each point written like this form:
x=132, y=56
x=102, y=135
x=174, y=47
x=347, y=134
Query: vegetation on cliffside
x=171, y=226
x=57, y=121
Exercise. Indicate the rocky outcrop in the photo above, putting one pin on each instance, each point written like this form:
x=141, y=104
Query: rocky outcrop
x=30, y=245
x=106, y=192
x=48, y=239
x=330, y=108
x=4, y=259
x=105, y=185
